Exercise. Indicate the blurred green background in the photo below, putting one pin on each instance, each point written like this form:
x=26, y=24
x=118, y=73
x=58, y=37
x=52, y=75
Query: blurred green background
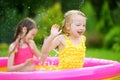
x=103, y=23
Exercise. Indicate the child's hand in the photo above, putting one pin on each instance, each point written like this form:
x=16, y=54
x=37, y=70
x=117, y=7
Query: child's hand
x=29, y=65
x=29, y=62
x=55, y=30
x=43, y=59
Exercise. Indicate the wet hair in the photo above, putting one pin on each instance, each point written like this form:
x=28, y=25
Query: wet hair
x=68, y=19
x=28, y=23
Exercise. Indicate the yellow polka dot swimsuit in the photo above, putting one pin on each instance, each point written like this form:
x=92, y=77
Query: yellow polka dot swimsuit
x=72, y=56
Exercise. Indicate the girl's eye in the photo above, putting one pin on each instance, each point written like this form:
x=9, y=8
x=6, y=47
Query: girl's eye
x=78, y=25
x=33, y=35
x=84, y=25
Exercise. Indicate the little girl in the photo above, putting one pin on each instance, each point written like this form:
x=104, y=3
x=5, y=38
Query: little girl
x=71, y=42
x=23, y=48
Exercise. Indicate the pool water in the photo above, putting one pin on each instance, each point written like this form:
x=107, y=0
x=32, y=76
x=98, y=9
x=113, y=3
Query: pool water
x=39, y=68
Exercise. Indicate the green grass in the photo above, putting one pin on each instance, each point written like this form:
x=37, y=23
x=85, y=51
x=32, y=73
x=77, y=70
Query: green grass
x=103, y=54
x=99, y=53
x=90, y=53
x=3, y=49
x=3, y=52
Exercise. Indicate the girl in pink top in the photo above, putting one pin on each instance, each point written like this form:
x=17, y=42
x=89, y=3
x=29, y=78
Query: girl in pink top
x=22, y=50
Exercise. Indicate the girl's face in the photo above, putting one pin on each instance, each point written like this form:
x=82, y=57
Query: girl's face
x=31, y=34
x=78, y=25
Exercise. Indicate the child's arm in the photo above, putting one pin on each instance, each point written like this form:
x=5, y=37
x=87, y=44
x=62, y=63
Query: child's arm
x=35, y=49
x=50, y=43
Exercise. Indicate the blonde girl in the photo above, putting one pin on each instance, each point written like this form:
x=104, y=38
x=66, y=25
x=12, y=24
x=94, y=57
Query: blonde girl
x=71, y=42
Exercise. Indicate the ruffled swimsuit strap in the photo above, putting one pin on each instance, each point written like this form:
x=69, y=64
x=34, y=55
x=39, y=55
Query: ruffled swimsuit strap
x=82, y=41
x=68, y=42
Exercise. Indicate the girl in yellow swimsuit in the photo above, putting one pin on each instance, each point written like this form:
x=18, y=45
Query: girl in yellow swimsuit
x=71, y=42
x=72, y=56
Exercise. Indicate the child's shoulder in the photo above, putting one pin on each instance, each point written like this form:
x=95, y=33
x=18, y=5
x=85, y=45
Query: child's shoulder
x=12, y=45
x=31, y=42
x=60, y=38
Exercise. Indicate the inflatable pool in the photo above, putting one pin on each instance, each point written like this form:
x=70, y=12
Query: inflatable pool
x=94, y=69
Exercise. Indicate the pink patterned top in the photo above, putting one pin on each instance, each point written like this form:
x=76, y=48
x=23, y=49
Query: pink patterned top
x=22, y=55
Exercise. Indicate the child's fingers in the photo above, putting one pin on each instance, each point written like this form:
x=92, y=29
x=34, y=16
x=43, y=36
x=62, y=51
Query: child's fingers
x=42, y=63
x=56, y=26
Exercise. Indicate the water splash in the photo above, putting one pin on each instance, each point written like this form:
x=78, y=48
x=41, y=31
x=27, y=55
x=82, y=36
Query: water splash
x=28, y=7
x=56, y=52
x=81, y=3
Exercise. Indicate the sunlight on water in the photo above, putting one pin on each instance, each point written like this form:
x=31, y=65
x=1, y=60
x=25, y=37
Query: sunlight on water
x=47, y=68
x=3, y=69
x=38, y=67
x=49, y=65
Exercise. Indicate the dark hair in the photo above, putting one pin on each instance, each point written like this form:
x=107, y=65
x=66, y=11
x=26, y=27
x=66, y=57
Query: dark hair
x=28, y=23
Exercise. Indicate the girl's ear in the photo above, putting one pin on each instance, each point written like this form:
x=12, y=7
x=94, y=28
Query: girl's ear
x=24, y=29
x=67, y=26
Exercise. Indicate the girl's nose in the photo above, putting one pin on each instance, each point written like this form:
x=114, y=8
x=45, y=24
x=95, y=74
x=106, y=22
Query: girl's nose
x=81, y=28
x=32, y=37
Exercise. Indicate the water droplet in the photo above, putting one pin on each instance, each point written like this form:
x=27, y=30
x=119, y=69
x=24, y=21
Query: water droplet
x=28, y=7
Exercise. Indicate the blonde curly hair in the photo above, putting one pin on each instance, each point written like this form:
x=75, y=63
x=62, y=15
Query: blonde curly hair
x=68, y=19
